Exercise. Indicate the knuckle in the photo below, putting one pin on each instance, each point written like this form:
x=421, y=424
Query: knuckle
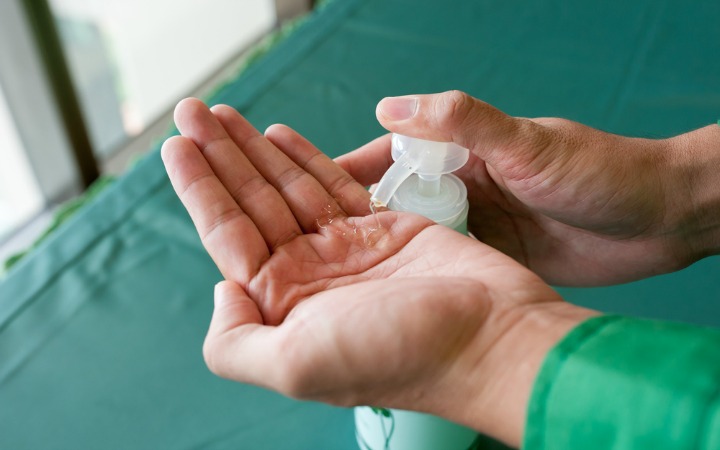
x=251, y=185
x=221, y=220
x=454, y=109
x=290, y=175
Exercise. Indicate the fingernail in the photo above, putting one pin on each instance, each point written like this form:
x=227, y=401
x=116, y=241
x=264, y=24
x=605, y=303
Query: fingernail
x=398, y=108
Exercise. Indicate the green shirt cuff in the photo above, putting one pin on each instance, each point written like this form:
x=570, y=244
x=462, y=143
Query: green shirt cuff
x=621, y=383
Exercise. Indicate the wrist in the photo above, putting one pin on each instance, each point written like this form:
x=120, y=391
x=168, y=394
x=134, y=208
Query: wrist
x=501, y=383
x=693, y=191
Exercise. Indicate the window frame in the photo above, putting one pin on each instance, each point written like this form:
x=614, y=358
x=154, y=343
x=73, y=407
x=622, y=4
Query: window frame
x=34, y=106
x=44, y=102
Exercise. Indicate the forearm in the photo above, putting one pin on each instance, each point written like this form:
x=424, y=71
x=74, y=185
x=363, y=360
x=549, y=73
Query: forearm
x=693, y=190
x=494, y=397
x=565, y=377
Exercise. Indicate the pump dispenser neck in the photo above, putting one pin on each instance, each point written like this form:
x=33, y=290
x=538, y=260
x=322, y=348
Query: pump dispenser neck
x=429, y=185
x=429, y=159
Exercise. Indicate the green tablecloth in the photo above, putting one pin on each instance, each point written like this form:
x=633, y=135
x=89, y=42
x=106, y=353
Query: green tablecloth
x=101, y=328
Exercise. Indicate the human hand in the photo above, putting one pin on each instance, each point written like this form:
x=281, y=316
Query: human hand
x=322, y=303
x=288, y=224
x=576, y=205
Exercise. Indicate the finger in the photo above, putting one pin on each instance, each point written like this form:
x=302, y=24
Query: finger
x=265, y=206
x=238, y=346
x=350, y=195
x=368, y=163
x=228, y=234
x=307, y=198
x=457, y=117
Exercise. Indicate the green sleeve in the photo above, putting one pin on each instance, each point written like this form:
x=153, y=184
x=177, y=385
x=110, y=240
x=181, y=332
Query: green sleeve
x=616, y=383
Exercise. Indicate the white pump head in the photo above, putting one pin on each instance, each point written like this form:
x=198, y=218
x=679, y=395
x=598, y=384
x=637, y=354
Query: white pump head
x=429, y=159
x=435, y=158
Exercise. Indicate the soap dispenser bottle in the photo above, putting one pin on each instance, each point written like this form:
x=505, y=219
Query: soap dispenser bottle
x=420, y=182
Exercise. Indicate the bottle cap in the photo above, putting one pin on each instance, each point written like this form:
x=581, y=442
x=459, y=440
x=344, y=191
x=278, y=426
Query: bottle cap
x=433, y=158
x=429, y=159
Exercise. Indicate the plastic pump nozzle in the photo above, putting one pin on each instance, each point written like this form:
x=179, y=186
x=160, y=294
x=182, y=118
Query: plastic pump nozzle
x=429, y=159
x=401, y=169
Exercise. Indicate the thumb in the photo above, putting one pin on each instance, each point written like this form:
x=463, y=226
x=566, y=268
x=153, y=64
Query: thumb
x=238, y=346
x=455, y=116
x=233, y=309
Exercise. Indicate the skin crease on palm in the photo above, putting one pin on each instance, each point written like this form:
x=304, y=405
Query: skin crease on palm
x=314, y=282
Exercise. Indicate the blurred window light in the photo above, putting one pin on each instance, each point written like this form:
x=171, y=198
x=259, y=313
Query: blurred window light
x=20, y=196
x=132, y=60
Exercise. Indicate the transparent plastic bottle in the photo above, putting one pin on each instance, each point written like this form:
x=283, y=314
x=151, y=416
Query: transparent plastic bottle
x=419, y=181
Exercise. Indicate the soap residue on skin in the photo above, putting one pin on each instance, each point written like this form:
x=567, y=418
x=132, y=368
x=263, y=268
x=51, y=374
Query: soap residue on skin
x=374, y=205
x=370, y=238
x=355, y=228
x=324, y=223
x=327, y=217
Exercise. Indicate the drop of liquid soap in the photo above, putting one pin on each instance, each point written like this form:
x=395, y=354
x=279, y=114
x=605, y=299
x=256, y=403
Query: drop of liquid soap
x=374, y=204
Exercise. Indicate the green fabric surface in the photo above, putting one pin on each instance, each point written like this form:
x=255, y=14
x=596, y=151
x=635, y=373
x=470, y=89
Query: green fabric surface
x=617, y=383
x=101, y=326
x=63, y=213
